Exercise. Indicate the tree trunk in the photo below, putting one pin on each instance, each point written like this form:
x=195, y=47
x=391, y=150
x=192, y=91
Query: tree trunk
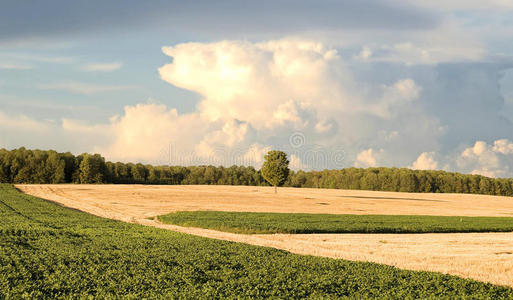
x=276, y=189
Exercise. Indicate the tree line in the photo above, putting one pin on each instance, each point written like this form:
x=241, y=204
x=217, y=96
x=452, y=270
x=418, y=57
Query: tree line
x=38, y=166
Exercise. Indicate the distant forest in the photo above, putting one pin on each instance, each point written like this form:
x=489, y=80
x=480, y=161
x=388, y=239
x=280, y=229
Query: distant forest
x=37, y=166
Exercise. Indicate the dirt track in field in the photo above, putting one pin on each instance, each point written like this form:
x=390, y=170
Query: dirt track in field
x=482, y=256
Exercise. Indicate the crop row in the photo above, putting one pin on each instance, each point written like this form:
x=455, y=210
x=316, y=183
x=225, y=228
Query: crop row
x=251, y=222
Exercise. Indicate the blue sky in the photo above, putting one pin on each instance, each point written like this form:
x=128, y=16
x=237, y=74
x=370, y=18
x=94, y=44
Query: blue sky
x=421, y=84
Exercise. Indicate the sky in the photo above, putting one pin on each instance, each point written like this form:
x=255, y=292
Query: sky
x=424, y=84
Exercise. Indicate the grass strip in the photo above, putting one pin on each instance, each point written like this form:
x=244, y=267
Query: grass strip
x=263, y=223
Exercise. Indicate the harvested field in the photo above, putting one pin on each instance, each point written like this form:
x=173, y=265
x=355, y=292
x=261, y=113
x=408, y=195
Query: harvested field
x=482, y=256
x=141, y=201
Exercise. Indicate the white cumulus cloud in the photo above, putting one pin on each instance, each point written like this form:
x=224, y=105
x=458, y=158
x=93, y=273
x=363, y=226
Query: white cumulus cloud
x=494, y=160
x=252, y=81
x=368, y=158
x=425, y=161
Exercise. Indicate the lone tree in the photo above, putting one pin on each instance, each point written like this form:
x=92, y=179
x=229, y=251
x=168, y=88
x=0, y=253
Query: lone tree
x=275, y=168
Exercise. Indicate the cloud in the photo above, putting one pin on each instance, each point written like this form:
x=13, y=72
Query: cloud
x=493, y=160
x=48, y=59
x=454, y=39
x=286, y=82
x=503, y=146
x=296, y=164
x=400, y=93
x=83, y=88
x=425, y=161
x=60, y=18
x=464, y=5
x=454, y=48
x=15, y=66
x=255, y=155
x=261, y=83
x=21, y=123
x=364, y=54
x=145, y=130
x=153, y=133
x=33, y=57
x=106, y=67
x=82, y=128
x=368, y=158
x=19, y=130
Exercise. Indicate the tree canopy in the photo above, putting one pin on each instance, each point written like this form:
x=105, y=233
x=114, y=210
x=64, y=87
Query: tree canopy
x=275, y=168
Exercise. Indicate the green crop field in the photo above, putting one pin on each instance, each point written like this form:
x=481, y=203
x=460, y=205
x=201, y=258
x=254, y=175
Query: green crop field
x=48, y=251
x=251, y=223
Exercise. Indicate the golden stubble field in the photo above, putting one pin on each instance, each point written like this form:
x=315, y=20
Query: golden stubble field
x=482, y=256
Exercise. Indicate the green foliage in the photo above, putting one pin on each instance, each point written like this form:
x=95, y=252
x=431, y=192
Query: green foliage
x=401, y=180
x=36, y=166
x=92, y=169
x=51, y=252
x=26, y=166
x=139, y=173
x=251, y=223
x=275, y=168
